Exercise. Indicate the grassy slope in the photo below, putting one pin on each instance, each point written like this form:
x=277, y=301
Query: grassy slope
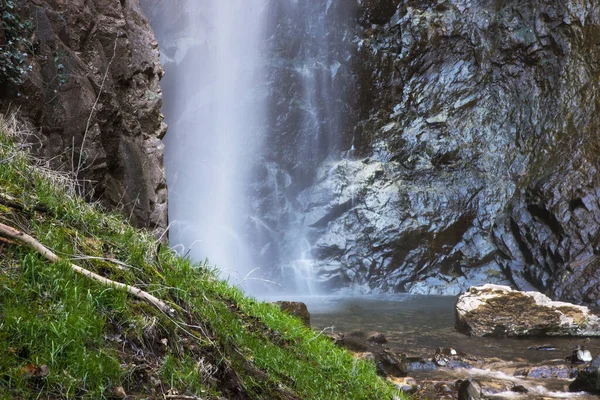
x=63, y=336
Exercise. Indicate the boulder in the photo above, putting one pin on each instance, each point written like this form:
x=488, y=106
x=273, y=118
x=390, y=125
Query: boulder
x=493, y=310
x=388, y=363
x=377, y=337
x=297, y=309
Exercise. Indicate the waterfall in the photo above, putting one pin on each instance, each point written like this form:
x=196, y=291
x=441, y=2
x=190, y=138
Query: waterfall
x=252, y=99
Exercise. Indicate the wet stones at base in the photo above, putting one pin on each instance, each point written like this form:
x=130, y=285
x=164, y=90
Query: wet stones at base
x=579, y=356
x=430, y=389
x=406, y=384
x=543, y=347
x=452, y=359
x=547, y=372
x=468, y=390
x=417, y=364
x=387, y=362
x=519, y=389
x=494, y=310
x=377, y=337
x=453, y=374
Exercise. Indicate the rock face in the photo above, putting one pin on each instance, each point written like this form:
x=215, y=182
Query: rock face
x=493, y=310
x=468, y=148
x=470, y=157
x=476, y=154
x=94, y=92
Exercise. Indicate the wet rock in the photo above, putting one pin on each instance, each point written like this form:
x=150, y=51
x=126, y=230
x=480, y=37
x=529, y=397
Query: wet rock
x=519, y=389
x=588, y=379
x=406, y=384
x=418, y=364
x=467, y=196
x=493, y=310
x=544, y=347
x=429, y=389
x=547, y=372
x=297, y=309
x=579, y=356
x=387, y=362
x=450, y=358
x=468, y=390
x=353, y=341
x=377, y=11
x=377, y=337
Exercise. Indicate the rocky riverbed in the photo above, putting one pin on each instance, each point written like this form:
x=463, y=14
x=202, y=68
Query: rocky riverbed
x=414, y=342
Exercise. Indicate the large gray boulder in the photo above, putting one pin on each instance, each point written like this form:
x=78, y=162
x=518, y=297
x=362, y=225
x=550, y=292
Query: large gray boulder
x=494, y=310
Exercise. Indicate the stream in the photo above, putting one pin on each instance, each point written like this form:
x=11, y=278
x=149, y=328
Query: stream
x=418, y=325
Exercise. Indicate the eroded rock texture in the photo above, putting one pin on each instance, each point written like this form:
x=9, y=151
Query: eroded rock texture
x=479, y=151
x=494, y=310
x=94, y=94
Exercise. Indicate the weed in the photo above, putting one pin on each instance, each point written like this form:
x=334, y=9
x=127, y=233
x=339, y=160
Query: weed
x=15, y=47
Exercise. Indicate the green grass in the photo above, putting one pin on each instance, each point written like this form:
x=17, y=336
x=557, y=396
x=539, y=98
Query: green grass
x=64, y=336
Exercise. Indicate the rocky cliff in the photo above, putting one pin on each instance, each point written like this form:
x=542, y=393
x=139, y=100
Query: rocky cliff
x=468, y=150
x=93, y=92
x=482, y=152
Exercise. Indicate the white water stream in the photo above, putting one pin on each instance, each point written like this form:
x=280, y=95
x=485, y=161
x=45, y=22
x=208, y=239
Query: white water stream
x=215, y=126
x=226, y=63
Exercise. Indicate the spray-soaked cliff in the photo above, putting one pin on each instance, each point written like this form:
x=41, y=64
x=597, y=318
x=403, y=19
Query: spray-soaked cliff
x=467, y=149
x=483, y=157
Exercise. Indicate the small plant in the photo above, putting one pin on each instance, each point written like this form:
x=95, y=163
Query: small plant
x=15, y=46
x=60, y=67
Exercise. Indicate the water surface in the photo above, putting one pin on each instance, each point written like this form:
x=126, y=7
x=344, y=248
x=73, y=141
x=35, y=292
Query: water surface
x=417, y=325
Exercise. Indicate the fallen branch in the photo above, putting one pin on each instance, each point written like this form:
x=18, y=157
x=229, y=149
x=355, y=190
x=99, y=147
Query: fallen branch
x=53, y=258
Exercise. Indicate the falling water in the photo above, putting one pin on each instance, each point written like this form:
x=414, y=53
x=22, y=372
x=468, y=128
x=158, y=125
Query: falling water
x=214, y=107
x=252, y=102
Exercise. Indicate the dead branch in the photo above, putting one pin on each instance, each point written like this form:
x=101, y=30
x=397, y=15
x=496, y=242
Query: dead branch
x=53, y=258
